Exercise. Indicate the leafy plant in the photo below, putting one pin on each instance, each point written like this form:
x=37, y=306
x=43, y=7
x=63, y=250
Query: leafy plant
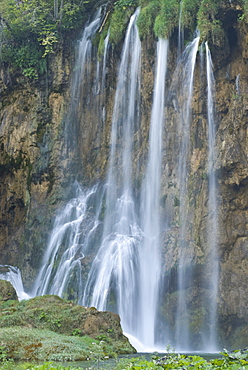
x=31, y=29
x=210, y=27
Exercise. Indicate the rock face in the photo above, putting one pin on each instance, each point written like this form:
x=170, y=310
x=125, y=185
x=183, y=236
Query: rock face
x=34, y=172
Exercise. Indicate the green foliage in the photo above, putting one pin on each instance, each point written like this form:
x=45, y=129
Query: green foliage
x=237, y=360
x=31, y=29
x=210, y=27
x=146, y=18
x=118, y=24
x=124, y=4
x=232, y=361
x=48, y=327
x=189, y=12
x=167, y=19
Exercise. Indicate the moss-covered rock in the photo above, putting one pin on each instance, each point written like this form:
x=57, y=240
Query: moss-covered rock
x=7, y=292
x=50, y=328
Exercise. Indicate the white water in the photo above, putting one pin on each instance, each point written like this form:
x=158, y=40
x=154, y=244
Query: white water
x=112, y=279
x=180, y=31
x=82, y=83
x=212, y=204
x=150, y=253
x=13, y=275
x=188, y=66
x=73, y=229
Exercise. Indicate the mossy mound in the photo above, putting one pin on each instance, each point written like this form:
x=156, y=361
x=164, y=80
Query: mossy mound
x=50, y=328
x=7, y=292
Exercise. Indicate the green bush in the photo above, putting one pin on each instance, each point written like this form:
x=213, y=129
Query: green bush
x=31, y=29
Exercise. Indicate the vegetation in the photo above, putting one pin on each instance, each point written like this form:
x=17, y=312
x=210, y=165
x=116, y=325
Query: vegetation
x=30, y=29
x=50, y=328
x=237, y=360
x=162, y=17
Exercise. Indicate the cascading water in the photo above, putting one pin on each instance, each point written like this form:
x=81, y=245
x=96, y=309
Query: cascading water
x=113, y=274
x=150, y=252
x=71, y=239
x=180, y=31
x=81, y=82
x=187, y=64
x=13, y=275
x=212, y=204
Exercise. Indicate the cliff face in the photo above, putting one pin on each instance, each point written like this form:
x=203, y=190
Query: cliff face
x=31, y=144
x=35, y=173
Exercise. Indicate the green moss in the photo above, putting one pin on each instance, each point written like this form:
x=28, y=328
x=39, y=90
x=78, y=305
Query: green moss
x=118, y=24
x=167, y=20
x=60, y=321
x=189, y=12
x=146, y=18
x=208, y=24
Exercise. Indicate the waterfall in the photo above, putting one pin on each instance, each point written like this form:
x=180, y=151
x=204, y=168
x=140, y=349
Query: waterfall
x=71, y=238
x=187, y=66
x=212, y=204
x=150, y=253
x=112, y=280
x=81, y=83
x=106, y=247
x=13, y=275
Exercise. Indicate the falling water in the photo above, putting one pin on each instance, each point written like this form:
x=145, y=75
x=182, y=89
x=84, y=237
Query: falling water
x=212, y=204
x=75, y=225
x=73, y=231
x=180, y=31
x=81, y=82
x=150, y=254
x=13, y=275
x=188, y=65
x=112, y=280
x=237, y=84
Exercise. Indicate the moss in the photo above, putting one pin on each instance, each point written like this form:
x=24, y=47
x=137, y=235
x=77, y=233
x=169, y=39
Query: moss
x=167, y=20
x=210, y=27
x=189, y=12
x=118, y=24
x=51, y=313
x=146, y=18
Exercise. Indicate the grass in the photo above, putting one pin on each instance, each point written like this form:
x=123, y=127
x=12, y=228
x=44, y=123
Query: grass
x=20, y=343
x=49, y=328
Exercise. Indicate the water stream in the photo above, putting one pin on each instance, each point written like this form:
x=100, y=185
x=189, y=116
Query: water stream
x=150, y=253
x=212, y=203
x=187, y=67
